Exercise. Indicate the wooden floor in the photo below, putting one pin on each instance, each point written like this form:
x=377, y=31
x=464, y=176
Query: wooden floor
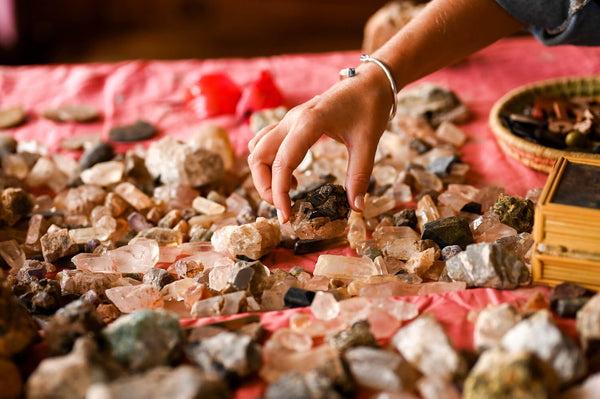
x=180, y=29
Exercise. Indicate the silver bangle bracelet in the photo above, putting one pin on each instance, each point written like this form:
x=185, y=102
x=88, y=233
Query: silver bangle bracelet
x=388, y=73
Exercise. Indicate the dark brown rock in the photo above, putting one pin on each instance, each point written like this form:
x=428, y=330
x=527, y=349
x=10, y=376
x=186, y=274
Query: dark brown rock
x=58, y=244
x=11, y=117
x=514, y=212
x=72, y=113
x=16, y=203
x=139, y=131
x=17, y=328
x=11, y=383
x=322, y=213
x=358, y=334
x=42, y=296
x=448, y=231
x=99, y=152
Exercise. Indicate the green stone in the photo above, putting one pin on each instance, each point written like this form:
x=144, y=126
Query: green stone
x=145, y=339
x=515, y=212
x=448, y=231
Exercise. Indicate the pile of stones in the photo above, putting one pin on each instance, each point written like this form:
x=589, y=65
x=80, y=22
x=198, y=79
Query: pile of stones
x=106, y=255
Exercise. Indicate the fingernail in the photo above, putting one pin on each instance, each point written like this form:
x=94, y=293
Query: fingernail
x=359, y=202
x=280, y=217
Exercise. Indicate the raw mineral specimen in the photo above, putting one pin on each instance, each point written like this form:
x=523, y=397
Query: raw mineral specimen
x=177, y=163
x=515, y=212
x=487, y=265
x=253, y=240
x=183, y=382
x=220, y=305
x=130, y=298
x=322, y=213
x=72, y=113
x=492, y=323
x=42, y=296
x=145, y=339
x=78, y=318
x=57, y=245
x=298, y=298
x=99, y=152
x=358, y=334
x=380, y=370
x=539, y=335
x=17, y=328
x=499, y=374
x=16, y=203
x=226, y=352
x=426, y=346
x=448, y=231
x=11, y=117
x=565, y=290
x=344, y=267
x=214, y=138
x=158, y=277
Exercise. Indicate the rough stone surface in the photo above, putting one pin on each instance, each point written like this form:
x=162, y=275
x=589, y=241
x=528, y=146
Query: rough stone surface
x=41, y=296
x=426, y=346
x=515, y=212
x=17, y=329
x=539, y=335
x=499, y=375
x=158, y=277
x=78, y=318
x=138, y=131
x=487, y=265
x=322, y=213
x=57, y=245
x=252, y=240
x=183, y=382
x=448, y=231
x=358, y=334
x=16, y=203
x=491, y=325
x=145, y=339
x=228, y=352
x=100, y=152
x=588, y=325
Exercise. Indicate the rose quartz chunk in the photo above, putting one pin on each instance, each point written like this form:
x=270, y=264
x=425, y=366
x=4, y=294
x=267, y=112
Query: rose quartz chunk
x=252, y=240
x=375, y=206
x=450, y=133
x=345, y=267
x=324, y=306
x=292, y=340
x=133, y=258
x=207, y=207
x=357, y=229
x=130, y=298
x=401, y=310
x=104, y=173
x=382, y=324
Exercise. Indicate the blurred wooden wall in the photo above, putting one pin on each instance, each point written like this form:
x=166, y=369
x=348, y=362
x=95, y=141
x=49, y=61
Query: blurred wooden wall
x=112, y=30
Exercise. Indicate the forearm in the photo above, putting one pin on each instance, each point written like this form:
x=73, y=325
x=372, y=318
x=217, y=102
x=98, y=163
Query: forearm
x=446, y=31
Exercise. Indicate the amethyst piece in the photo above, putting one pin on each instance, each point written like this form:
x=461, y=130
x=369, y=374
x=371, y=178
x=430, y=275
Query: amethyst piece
x=33, y=270
x=138, y=222
x=449, y=251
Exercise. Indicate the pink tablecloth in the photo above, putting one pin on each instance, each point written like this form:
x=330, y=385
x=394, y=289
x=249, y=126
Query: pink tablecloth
x=154, y=91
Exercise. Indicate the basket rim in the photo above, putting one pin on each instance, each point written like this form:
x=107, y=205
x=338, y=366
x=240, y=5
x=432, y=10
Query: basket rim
x=531, y=154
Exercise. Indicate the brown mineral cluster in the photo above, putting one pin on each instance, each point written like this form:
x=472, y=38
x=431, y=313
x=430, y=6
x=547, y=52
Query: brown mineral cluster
x=321, y=213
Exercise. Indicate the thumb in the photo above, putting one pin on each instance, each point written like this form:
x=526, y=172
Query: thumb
x=358, y=175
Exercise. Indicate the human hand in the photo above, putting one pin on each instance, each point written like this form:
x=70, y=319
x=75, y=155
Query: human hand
x=354, y=112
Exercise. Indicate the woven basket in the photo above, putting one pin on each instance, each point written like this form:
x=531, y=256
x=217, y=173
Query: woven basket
x=537, y=156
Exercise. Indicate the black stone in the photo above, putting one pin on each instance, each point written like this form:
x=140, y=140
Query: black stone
x=242, y=275
x=448, y=231
x=244, y=258
x=330, y=201
x=101, y=152
x=406, y=217
x=319, y=244
x=137, y=132
x=419, y=146
x=442, y=166
x=158, y=277
x=303, y=192
x=298, y=297
x=472, y=207
x=568, y=307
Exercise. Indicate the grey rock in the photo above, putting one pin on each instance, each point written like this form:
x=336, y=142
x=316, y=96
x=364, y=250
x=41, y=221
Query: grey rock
x=158, y=277
x=145, y=339
x=441, y=166
x=539, y=335
x=183, y=382
x=487, y=265
x=99, y=152
x=228, y=351
x=139, y=131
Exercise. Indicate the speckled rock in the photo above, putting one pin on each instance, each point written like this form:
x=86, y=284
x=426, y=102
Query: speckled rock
x=17, y=329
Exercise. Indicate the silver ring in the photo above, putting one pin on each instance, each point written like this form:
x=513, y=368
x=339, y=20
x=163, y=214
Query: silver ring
x=347, y=73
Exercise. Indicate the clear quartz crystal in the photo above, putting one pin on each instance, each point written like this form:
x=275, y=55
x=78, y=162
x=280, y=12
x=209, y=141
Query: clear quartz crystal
x=426, y=211
x=324, y=306
x=375, y=206
x=401, y=310
x=207, y=206
x=134, y=196
x=292, y=340
x=46, y=173
x=14, y=165
x=357, y=229
x=13, y=255
x=450, y=133
x=344, y=267
x=133, y=297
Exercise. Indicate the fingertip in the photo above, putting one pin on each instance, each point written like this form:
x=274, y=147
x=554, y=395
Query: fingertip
x=359, y=202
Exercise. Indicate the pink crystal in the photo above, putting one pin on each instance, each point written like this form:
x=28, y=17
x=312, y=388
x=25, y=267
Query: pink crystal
x=13, y=255
x=252, y=240
x=130, y=298
x=357, y=229
x=450, y=133
x=104, y=173
x=401, y=248
x=168, y=254
x=395, y=232
x=324, y=306
x=344, y=267
x=207, y=207
x=382, y=324
x=218, y=277
x=402, y=192
x=421, y=261
x=317, y=283
x=426, y=211
x=488, y=228
x=292, y=340
x=441, y=287
x=375, y=206
x=401, y=310
x=134, y=196
x=354, y=309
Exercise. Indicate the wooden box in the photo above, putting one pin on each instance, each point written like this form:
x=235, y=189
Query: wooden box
x=567, y=225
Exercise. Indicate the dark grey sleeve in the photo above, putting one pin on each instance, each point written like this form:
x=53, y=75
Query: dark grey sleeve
x=556, y=22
